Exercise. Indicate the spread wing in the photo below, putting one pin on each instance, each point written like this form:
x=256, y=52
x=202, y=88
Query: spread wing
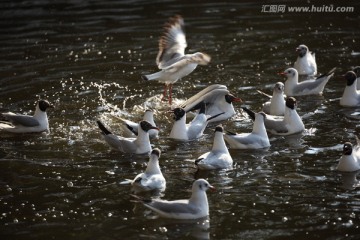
x=172, y=44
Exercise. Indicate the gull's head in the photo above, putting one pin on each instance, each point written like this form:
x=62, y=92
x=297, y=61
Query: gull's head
x=302, y=50
x=347, y=149
x=291, y=103
x=350, y=78
x=279, y=87
x=201, y=58
x=289, y=73
x=44, y=104
x=202, y=185
x=179, y=113
x=219, y=128
x=229, y=98
x=146, y=126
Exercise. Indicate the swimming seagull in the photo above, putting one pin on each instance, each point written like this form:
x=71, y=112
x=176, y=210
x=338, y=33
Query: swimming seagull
x=219, y=156
x=152, y=178
x=131, y=128
x=307, y=87
x=351, y=96
x=138, y=145
x=195, y=207
x=291, y=123
x=258, y=138
x=305, y=63
x=217, y=99
x=276, y=105
x=18, y=123
x=349, y=161
x=171, y=59
x=192, y=130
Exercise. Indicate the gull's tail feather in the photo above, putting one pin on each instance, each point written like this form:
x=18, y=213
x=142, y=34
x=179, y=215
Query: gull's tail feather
x=104, y=130
x=150, y=77
x=250, y=112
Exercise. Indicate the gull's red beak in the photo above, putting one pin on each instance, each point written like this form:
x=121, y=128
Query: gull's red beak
x=237, y=100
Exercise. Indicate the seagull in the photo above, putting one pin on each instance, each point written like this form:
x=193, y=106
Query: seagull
x=195, y=207
x=152, y=178
x=217, y=99
x=276, y=105
x=351, y=96
x=138, y=145
x=131, y=128
x=291, y=123
x=349, y=161
x=18, y=123
x=258, y=138
x=192, y=130
x=305, y=63
x=307, y=87
x=219, y=156
x=171, y=59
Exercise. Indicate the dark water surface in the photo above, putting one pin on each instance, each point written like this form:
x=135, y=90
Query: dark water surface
x=86, y=57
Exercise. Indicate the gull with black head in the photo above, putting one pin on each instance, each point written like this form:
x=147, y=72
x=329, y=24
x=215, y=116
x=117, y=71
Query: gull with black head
x=291, y=123
x=152, y=178
x=351, y=96
x=349, y=161
x=19, y=123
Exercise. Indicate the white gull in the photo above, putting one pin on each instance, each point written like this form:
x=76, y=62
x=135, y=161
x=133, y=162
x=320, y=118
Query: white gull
x=195, y=207
x=276, y=105
x=258, y=138
x=305, y=63
x=219, y=156
x=307, y=87
x=172, y=61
